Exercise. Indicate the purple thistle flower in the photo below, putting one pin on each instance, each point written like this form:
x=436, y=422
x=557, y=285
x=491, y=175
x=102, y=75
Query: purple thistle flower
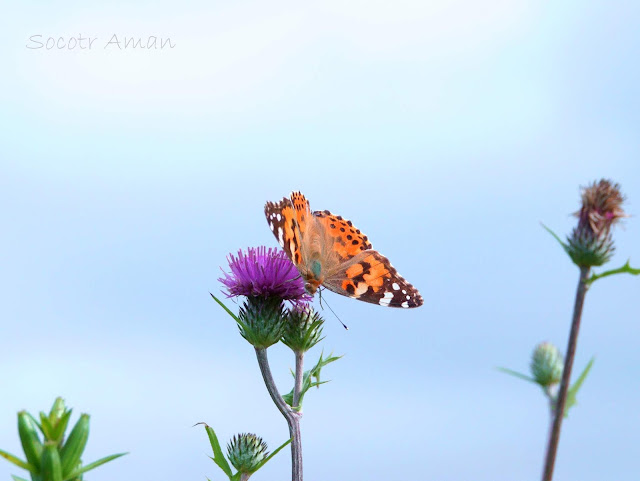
x=262, y=272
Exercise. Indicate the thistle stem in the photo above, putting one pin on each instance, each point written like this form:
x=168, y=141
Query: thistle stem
x=297, y=388
x=292, y=417
x=554, y=435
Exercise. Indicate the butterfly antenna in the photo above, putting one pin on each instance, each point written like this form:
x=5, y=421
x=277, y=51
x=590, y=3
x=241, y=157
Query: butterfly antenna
x=332, y=311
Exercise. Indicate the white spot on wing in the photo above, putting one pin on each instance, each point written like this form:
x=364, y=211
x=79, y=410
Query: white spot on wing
x=395, y=286
x=404, y=304
x=279, y=217
x=280, y=237
x=386, y=300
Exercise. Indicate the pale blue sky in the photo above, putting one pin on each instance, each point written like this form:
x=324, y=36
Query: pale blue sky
x=445, y=131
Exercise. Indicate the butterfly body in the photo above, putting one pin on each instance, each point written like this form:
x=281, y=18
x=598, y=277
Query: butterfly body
x=329, y=251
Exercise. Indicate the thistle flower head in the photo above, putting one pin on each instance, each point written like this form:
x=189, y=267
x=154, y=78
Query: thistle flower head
x=246, y=452
x=590, y=243
x=601, y=207
x=547, y=364
x=262, y=272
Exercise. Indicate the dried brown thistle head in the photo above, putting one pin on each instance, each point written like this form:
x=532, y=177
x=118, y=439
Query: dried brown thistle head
x=590, y=243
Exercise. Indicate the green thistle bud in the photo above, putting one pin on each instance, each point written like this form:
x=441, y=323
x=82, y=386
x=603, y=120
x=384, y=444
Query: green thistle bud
x=303, y=329
x=30, y=439
x=247, y=452
x=262, y=321
x=587, y=249
x=547, y=365
x=590, y=243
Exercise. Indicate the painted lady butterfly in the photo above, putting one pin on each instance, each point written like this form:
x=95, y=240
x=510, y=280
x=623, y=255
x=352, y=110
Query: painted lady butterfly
x=328, y=250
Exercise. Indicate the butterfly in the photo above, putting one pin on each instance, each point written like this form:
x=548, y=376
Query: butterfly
x=329, y=251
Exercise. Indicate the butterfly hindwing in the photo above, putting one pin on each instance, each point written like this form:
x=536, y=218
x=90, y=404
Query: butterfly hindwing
x=370, y=277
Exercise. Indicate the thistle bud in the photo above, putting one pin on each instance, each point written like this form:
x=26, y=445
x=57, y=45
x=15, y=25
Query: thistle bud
x=247, y=452
x=303, y=329
x=591, y=243
x=262, y=320
x=547, y=365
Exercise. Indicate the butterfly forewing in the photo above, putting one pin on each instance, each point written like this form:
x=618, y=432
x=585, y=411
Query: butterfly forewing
x=347, y=240
x=282, y=221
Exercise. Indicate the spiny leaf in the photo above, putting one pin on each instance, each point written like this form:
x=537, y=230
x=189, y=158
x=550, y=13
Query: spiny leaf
x=620, y=270
x=314, y=372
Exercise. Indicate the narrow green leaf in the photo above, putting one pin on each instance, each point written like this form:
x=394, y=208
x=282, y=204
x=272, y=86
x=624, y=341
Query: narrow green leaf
x=75, y=444
x=17, y=461
x=93, y=465
x=50, y=465
x=61, y=427
x=47, y=428
x=30, y=439
x=17, y=478
x=218, y=457
x=572, y=392
x=555, y=236
x=625, y=269
x=226, y=309
x=516, y=374
x=57, y=410
x=317, y=383
x=35, y=421
x=264, y=461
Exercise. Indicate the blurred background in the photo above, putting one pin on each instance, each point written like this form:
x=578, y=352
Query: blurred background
x=445, y=130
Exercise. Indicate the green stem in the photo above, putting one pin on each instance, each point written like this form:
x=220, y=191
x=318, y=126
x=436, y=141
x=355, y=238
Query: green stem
x=297, y=388
x=293, y=418
x=554, y=436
